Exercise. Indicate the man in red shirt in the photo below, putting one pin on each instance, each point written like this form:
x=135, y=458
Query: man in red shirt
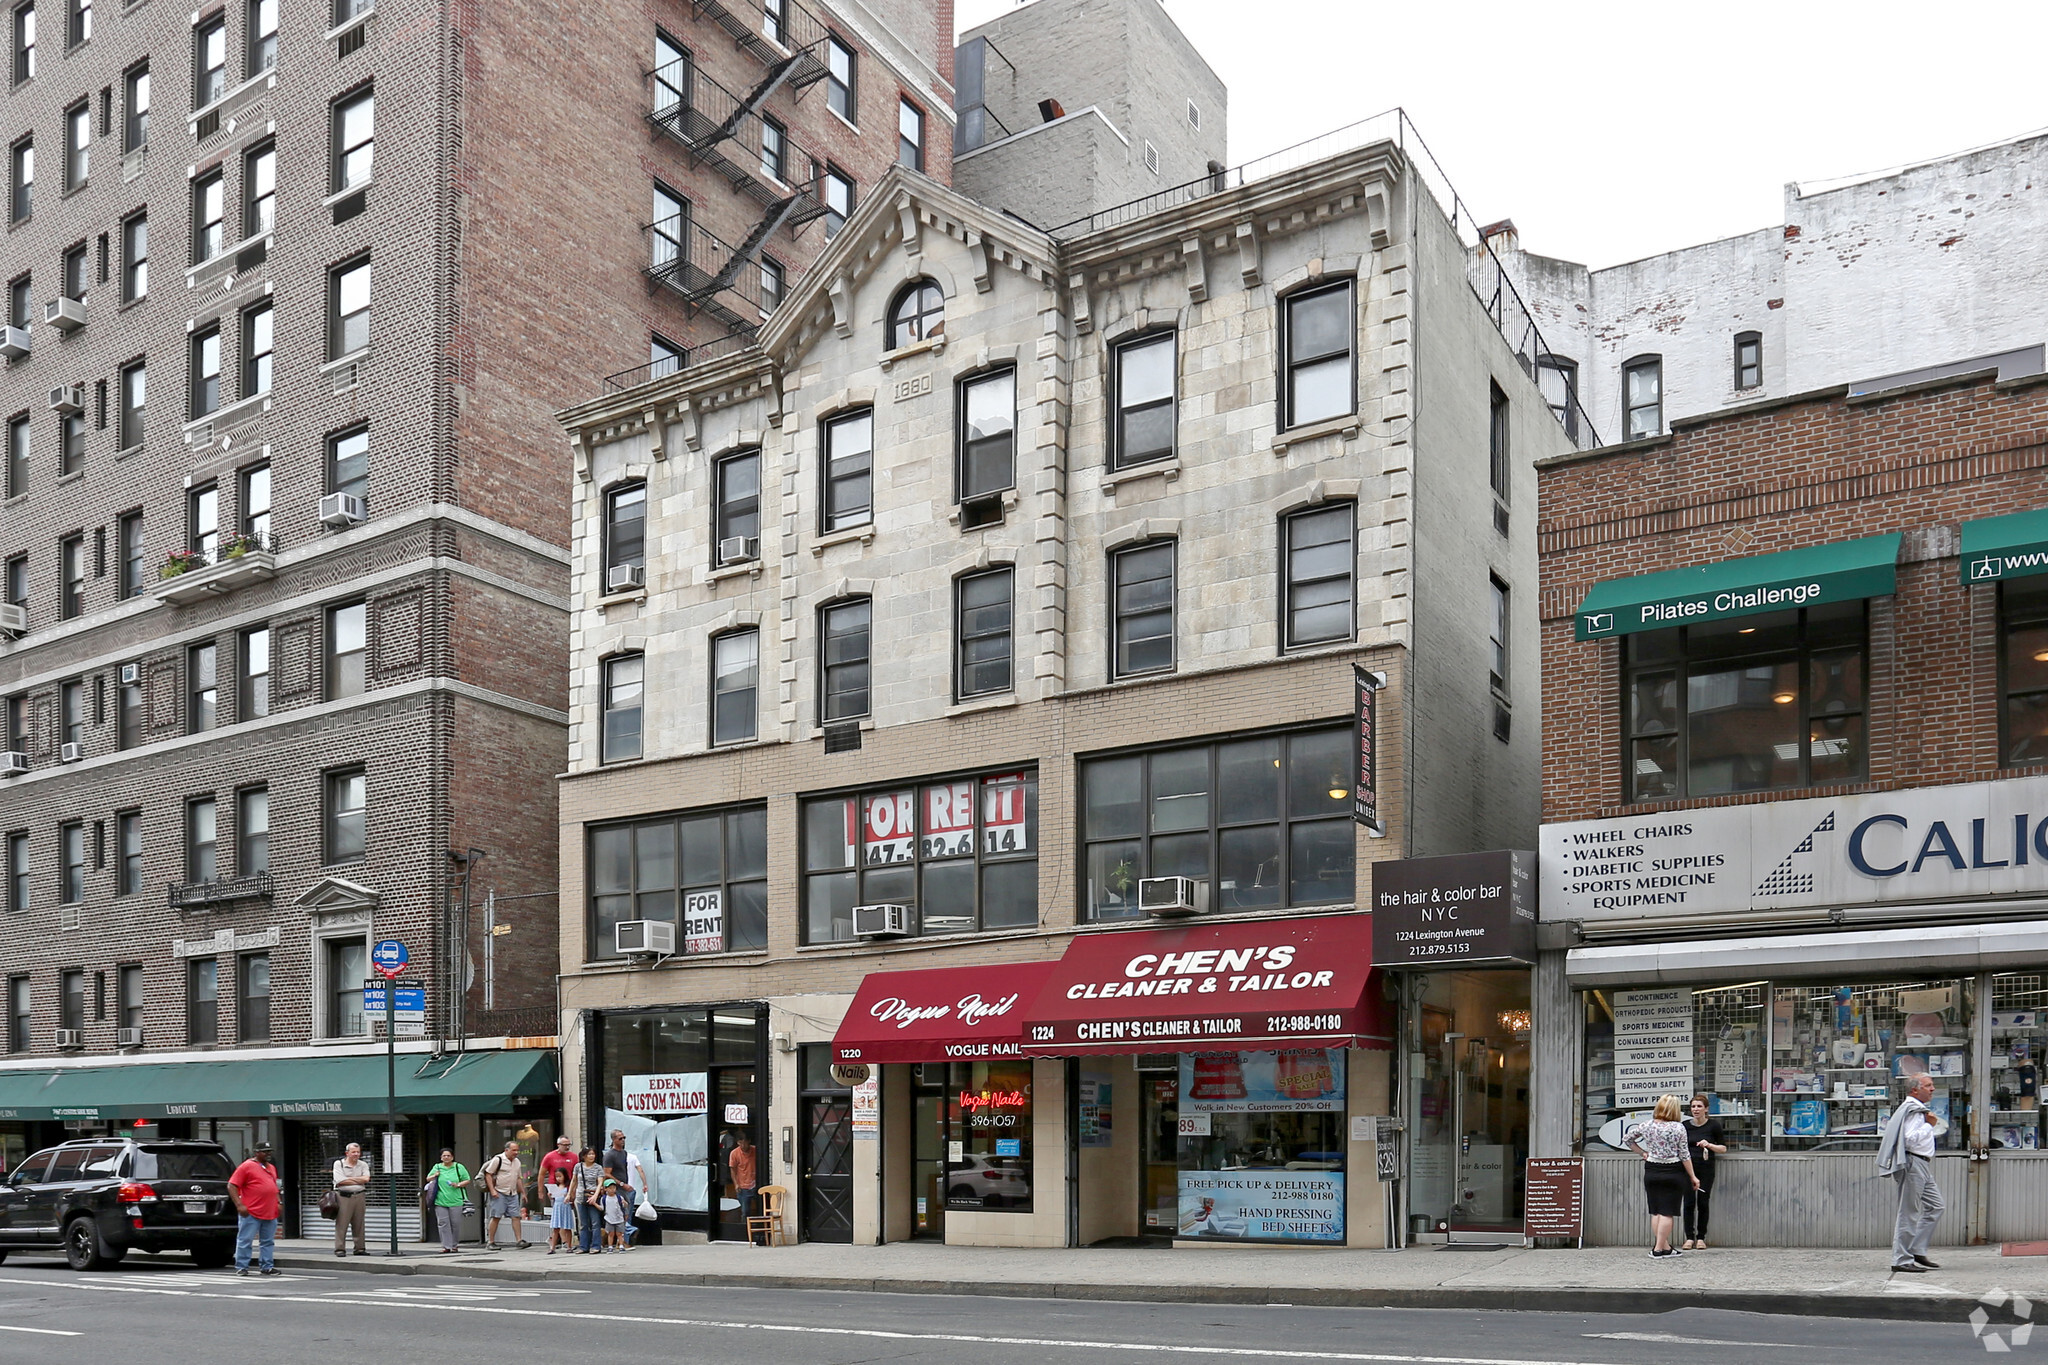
x=562, y=1159
x=253, y=1187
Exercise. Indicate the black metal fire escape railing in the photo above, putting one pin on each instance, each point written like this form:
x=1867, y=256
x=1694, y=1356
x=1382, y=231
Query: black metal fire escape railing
x=773, y=31
x=729, y=282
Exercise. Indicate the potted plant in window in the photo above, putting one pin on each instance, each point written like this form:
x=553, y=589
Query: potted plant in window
x=180, y=562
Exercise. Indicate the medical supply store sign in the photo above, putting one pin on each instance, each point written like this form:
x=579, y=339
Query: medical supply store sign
x=1652, y=1045
x=1289, y=1081
x=1966, y=842
x=1276, y=1206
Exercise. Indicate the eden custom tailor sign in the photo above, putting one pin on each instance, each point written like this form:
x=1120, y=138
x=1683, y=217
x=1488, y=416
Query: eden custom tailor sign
x=1458, y=910
x=1965, y=842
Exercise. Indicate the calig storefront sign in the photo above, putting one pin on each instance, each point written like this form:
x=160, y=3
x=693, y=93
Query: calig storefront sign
x=1963, y=842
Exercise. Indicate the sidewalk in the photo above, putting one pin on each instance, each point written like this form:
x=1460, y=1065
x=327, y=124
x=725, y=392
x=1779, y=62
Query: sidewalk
x=1603, y=1279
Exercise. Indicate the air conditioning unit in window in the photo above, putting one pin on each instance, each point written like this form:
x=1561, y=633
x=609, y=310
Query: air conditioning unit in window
x=738, y=550
x=13, y=342
x=13, y=763
x=70, y=1039
x=13, y=618
x=882, y=921
x=128, y=1037
x=66, y=315
x=341, y=509
x=68, y=398
x=644, y=938
x=70, y=753
x=982, y=512
x=625, y=577
x=1172, y=897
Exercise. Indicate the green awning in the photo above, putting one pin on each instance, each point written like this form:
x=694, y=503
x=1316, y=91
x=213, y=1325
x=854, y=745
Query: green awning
x=1842, y=572
x=280, y=1087
x=2005, y=547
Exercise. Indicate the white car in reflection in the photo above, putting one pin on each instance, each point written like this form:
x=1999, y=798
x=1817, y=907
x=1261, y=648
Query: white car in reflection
x=995, y=1181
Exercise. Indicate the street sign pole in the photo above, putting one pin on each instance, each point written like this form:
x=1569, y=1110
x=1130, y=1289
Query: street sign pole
x=389, y=958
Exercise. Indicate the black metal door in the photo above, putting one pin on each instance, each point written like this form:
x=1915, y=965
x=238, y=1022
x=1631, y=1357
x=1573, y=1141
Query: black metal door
x=828, y=1168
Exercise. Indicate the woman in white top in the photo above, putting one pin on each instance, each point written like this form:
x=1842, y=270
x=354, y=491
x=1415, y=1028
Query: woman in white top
x=1667, y=1168
x=351, y=1189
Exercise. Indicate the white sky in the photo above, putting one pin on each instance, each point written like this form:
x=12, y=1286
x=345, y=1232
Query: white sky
x=1612, y=131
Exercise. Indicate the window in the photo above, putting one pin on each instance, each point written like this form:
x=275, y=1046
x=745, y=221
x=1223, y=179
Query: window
x=918, y=314
x=18, y=443
x=17, y=580
x=1142, y=584
x=774, y=16
x=1642, y=398
x=669, y=233
x=1497, y=472
x=71, y=848
x=252, y=832
x=19, y=304
x=73, y=286
x=619, y=739
x=128, y=997
x=70, y=443
x=982, y=633
x=1317, y=597
x=738, y=506
x=15, y=720
x=19, y=1015
x=962, y=851
x=77, y=145
x=843, y=670
x=348, y=962
x=355, y=140
x=838, y=200
x=127, y=857
x=261, y=29
x=1497, y=638
x=135, y=110
x=1268, y=817
x=17, y=872
x=839, y=96
x=258, y=339
x=909, y=135
x=252, y=998
x=71, y=707
x=259, y=191
x=254, y=700
x=1144, y=400
x=255, y=481
x=202, y=863
x=1752, y=703
x=348, y=464
x=134, y=403
x=773, y=285
x=1749, y=360
x=1558, y=380
x=849, y=498
x=202, y=520
x=79, y=30
x=663, y=357
x=71, y=999
x=348, y=309
x=1318, y=355
x=128, y=577
x=346, y=829
x=672, y=76
x=209, y=62
x=735, y=683
x=128, y=708
x=24, y=43
x=625, y=530
x=202, y=694
x=2023, y=670
x=345, y=10
x=71, y=574
x=774, y=150
x=988, y=434
x=24, y=182
x=347, y=644
x=707, y=873
x=134, y=258
x=205, y=371
x=202, y=1001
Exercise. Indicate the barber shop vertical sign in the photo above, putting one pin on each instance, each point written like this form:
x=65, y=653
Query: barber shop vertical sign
x=1365, y=791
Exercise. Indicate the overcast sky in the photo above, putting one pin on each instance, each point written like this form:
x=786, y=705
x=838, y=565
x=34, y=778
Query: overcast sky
x=1612, y=131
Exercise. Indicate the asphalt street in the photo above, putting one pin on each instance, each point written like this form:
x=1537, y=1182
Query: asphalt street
x=168, y=1312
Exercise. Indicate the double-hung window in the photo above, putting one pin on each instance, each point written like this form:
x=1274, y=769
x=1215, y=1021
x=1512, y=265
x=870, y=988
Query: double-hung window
x=128, y=997
x=347, y=647
x=774, y=150
x=71, y=705
x=20, y=436
x=253, y=701
x=625, y=537
x=71, y=577
x=985, y=611
x=1498, y=474
x=619, y=737
x=209, y=201
x=134, y=257
x=252, y=998
x=839, y=78
x=24, y=43
x=261, y=31
x=909, y=135
x=348, y=308
x=202, y=516
x=17, y=872
x=209, y=62
x=348, y=962
x=1142, y=590
x=736, y=532
x=355, y=141
x=1558, y=379
x=202, y=1001
x=988, y=434
x=77, y=144
x=1144, y=382
x=838, y=188
x=255, y=502
x=1318, y=355
x=202, y=840
x=20, y=1015
x=1642, y=398
x=71, y=1000
x=704, y=871
x=252, y=832
x=347, y=817
x=1749, y=360
x=71, y=848
x=135, y=109
x=259, y=191
x=202, y=684
x=848, y=469
x=843, y=635
x=134, y=403
x=128, y=707
x=668, y=232
x=672, y=77
x=348, y=464
x=79, y=29
x=735, y=685
x=128, y=855
x=259, y=340
x=205, y=372
x=128, y=579
x=1319, y=571
x=23, y=200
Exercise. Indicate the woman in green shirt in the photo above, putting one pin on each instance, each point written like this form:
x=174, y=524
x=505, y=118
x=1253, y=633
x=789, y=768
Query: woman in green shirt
x=446, y=1182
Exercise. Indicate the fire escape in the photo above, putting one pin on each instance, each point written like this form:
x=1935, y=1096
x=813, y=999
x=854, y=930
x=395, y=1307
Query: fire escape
x=728, y=133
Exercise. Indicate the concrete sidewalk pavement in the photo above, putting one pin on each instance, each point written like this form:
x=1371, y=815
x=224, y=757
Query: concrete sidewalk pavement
x=1855, y=1283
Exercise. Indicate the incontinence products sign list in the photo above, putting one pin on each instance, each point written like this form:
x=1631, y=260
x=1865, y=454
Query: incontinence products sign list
x=1652, y=1045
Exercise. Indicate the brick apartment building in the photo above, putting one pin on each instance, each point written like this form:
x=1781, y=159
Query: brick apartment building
x=292, y=295
x=1794, y=845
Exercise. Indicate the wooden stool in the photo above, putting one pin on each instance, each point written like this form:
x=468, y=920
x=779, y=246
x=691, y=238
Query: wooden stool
x=768, y=1221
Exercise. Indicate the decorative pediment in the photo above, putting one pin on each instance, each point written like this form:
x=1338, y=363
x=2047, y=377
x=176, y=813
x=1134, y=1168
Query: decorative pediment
x=337, y=895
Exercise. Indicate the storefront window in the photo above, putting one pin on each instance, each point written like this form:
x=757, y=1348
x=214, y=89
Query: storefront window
x=1750, y=703
x=2019, y=1036
x=1262, y=1145
x=2023, y=613
x=682, y=1085
x=705, y=873
x=963, y=853
x=1266, y=820
x=973, y=1141
x=1677, y=1040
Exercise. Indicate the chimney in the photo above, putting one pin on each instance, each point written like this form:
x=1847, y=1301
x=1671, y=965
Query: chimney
x=1500, y=236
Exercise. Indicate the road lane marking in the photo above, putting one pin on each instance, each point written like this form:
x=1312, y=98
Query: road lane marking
x=871, y=1333
x=1673, y=1339
x=39, y=1331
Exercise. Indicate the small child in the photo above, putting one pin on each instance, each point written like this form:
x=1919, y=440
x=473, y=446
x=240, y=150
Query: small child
x=613, y=1202
x=561, y=1215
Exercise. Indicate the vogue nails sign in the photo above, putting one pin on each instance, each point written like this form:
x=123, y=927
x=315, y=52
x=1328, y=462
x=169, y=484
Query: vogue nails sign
x=942, y=1014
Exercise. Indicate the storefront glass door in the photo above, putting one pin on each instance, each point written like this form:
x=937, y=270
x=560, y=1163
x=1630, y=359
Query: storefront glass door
x=1468, y=1104
x=936, y=1113
x=1159, y=1143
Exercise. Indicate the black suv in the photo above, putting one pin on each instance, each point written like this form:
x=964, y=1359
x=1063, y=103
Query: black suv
x=100, y=1198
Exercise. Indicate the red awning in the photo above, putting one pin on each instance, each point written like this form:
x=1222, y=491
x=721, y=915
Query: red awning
x=1244, y=985
x=940, y=1014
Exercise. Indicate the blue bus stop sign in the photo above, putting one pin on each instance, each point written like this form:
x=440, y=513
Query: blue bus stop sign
x=389, y=957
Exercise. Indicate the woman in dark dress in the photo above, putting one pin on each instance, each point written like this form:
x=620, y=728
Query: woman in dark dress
x=1706, y=1141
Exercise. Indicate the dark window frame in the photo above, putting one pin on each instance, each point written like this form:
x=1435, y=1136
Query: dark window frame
x=1121, y=414
x=70, y=585
x=963, y=636
x=130, y=991
x=135, y=100
x=202, y=1001
x=209, y=81
x=128, y=855
x=1500, y=634
x=2022, y=609
x=77, y=159
x=252, y=1008
x=358, y=486
x=334, y=656
x=832, y=518
x=752, y=708
x=339, y=323
x=909, y=150
x=252, y=685
x=20, y=1013
x=252, y=845
x=340, y=151
x=609, y=708
x=968, y=450
x=844, y=91
x=1290, y=363
x=636, y=897
x=202, y=687
x=134, y=257
x=203, y=387
x=729, y=510
x=911, y=311
x=71, y=863
x=333, y=847
x=621, y=550
x=1119, y=615
x=133, y=417
x=202, y=854
x=1649, y=363
x=1749, y=373
x=826, y=668
x=1288, y=584
x=20, y=873
x=1499, y=440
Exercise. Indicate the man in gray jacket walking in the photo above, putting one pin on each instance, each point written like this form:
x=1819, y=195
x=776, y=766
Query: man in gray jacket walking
x=1906, y=1154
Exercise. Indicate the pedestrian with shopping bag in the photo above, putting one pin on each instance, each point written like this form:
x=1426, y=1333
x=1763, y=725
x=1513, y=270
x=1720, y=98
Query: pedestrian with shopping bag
x=1667, y=1169
x=447, y=1185
x=585, y=1187
x=1905, y=1154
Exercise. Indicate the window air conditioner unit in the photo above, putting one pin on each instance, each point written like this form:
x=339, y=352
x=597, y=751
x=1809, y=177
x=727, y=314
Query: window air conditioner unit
x=13, y=763
x=70, y=1038
x=13, y=342
x=14, y=618
x=882, y=921
x=625, y=577
x=645, y=938
x=1172, y=897
x=131, y=674
x=341, y=509
x=738, y=550
x=70, y=753
x=981, y=512
x=66, y=315
x=68, y=398
x=128, y=1037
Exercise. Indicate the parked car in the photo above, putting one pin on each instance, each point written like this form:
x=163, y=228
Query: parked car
x=100, y=1198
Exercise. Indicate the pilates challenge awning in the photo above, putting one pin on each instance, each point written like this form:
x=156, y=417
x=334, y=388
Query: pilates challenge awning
x=1842, y=572
x=2014, y=546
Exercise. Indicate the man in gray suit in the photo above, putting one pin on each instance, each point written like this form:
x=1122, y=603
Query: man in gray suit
x=1906, y=1154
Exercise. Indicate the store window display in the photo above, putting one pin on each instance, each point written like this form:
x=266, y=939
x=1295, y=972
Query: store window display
x=1676, y=1040
x=1261, y=1151
x=1837, y=1049
x=2019, y=1036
